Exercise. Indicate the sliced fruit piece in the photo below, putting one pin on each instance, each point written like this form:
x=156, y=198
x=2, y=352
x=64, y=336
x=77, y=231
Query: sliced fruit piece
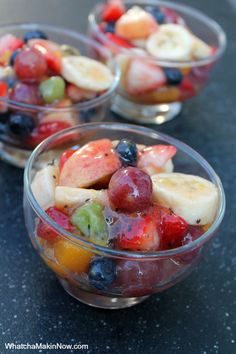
x=171, y=41
x=46, y=232
x=69, y=197
x=44, y=130
x=139, y=233
x=55, y=267
x=73, y=257
x=86, y=73
x=70, y=116
x=164, y=94
x=9, y=43
x=50, y=50
x=172, y=228
x=3, y=94
x=90, y=164
x=153, y=159
x=143, y=77
x=77, y=94
x=120, y=41
x=113, y=10
x=136, y=24
x=44, y=184
x=193, y=198
x=90, y=221
x=64, y=157
x=187, y=89
x=200, y=49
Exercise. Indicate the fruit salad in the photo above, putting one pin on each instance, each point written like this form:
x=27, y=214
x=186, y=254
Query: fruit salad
x=42, y=84
x=125, y=197
x=161, y=58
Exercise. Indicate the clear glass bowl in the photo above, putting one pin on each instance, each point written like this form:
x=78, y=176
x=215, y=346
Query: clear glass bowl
x=15, y=150
x=146, y=273
x=164, y=103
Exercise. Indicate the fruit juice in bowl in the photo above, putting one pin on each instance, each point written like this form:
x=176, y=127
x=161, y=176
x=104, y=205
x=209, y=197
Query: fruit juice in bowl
x=124, y=212
x=166, y=53
x=49, y=82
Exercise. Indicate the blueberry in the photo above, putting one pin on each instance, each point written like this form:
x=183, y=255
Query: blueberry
x=174, y=76
x=128, y=152
x=4, y=116
x=110, y=27
x=13, y=57
x=156, y=13
x=10, y=81
x=102, y=273
x=21, y=124
x=34, y=35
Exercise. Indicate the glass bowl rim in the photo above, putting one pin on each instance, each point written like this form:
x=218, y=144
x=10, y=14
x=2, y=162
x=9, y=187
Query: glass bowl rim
x=177, y=6
x=79, y=37
x=120, y=253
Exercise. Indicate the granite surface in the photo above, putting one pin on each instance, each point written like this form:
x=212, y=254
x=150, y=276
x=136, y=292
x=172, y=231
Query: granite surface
x=198, y=315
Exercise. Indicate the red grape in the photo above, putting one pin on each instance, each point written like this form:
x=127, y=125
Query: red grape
x=130, y=190
x=137, y=278
x=26, y=93
x=30, y=65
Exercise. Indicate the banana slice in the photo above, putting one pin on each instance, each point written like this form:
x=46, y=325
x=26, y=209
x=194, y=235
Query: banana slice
x=200, y=49
x=193, y=198
x=170, y=41
x=67, y=197
x=86, y=73
x=43, y=186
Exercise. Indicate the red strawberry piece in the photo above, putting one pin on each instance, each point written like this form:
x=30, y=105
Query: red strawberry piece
x=113, y=10
x=77, y=94
x=194, y=232
x=138, y=233
x=51, y=51
x=45, y=231
x=171, y=16
x=187, y=89
x=10, y=43
x=44, y=130
x=173, y=229
x=120, y=41
x=64, y=157
x=143, y=77
x=3, y=94
x=156, y=156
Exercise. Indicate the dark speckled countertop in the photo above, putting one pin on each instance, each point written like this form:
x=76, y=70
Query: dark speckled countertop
x=198, y=315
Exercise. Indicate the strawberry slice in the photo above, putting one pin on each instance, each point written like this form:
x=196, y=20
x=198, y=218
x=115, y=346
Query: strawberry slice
x=64, y=157
x=9, y=43
x=187, y=89
x=44, y=130
x=172, y=228
x=120, y=41
x=47, y=232
x=113, y=10
x=155, y=157
x=51, y=51
x=3, y=94
x=139, y=233
x=143, y=77
x=77, y=94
